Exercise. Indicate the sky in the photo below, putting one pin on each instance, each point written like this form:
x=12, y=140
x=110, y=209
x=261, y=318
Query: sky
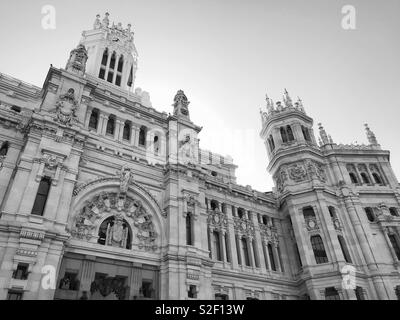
x=226, y=55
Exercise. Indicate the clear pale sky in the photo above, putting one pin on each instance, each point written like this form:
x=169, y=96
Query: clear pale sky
x=226, y=55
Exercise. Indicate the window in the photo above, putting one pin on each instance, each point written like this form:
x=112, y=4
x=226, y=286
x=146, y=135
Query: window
x=271, y=142
x=257, y=263
x=120, y=64
x=130, y=79
x=192, y=293
x=365, y=178
x=271, y=257
x=103, y=66
x=359, y=293
x=395, y=245
x=377, y=178
x=147, y=289
x=289, y=133
x=41, y=196
x=127, y=131
x=156, y=143
x=240, y=212
x=69, y=281
x=306, y=133
x=110, y=76
x=394, y=212
x=353, y=178
x=296, y=250
x=142, y=136
x=245, y=252
x=108, y=224
x=397, y=291
x=265, y=220
x=4, y=149
x=319, y=249
x=370, y=214
x=345, y=251
x=308, y=213
x=331, y=294
x=217, y=247
x=214, y=205
x=14, y=295
x=278, y=249
x=332, y=212
x=22, y=272
x=110, y=125
x=16, y=109
x=284, y=135
x=94, y=119
x=219, y=296
x=189, y=237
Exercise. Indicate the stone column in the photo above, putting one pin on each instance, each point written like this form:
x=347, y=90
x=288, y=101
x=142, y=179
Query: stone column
x=136, y=281
x=210, y=242
x=228, y=248
x=232, y=240
x=7, y=168
x=87, y=275
x=239, y=250
x=276, y=256
x=249, y=242
x=266, y=255
x=133, y=135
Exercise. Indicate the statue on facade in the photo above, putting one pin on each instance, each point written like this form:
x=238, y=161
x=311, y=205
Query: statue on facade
x=66, y=108
x=187, y=150
x=117, y=235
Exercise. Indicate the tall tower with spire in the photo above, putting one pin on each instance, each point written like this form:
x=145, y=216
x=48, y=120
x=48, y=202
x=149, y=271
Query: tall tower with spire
x=112, y=55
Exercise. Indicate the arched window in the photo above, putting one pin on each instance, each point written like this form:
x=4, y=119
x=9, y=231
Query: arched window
x=142, y=136
x=271, y=143
x=365, y=178
x=127, y=131
x=394, y=212
x=353, y=178
x=110, y=125
x=189, y=230
x=306, y=133
x=4, y=149
x=370, y=214
x=107, y=225
x=41, y=196
x=217, y=247
x=119, y=71
x=271, y=257
x=94, y=119
x=332, y=212
x=395, y=244
x=245, y=252
x=331, y=294
x=130, y=79
x=319, y=249
x=345, y=251
x=103, y=66
x=156, y=143
x=284, y=135
x=308, y=213
x=289, y=133
x=377, y=178
x=113, y=60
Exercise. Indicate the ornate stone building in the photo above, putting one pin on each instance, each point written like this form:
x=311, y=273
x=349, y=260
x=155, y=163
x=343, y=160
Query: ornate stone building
x=104, y=197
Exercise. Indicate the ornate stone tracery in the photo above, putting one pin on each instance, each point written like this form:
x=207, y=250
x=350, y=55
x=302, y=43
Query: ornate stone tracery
x=120, y=207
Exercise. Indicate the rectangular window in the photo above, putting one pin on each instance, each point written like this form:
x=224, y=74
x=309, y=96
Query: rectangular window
x=41, y=196
x=14, y=295
x=395, y=245
x=22, y=271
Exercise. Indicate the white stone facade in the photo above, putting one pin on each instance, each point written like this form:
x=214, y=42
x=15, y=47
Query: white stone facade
x=104, y=197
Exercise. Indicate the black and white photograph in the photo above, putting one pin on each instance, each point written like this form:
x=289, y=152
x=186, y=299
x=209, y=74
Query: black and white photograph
x=199, y=151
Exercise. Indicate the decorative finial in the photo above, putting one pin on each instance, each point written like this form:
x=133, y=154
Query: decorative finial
x=371, y=136
x=97, y=23
x=181, y=103
x=106, y=20
x=300, y=104
x=287, y=100
x=323, y=135
x=270, y=104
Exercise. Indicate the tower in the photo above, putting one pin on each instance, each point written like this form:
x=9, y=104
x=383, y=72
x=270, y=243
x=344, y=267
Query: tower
x=112, y=55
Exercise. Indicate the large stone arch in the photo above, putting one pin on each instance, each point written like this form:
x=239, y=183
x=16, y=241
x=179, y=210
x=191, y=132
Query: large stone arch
x=100, y=199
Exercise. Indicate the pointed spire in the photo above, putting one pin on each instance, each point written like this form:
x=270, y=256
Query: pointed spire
x=287, y=100
x=371, y=136
x=323, y=135
x=181, y=104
